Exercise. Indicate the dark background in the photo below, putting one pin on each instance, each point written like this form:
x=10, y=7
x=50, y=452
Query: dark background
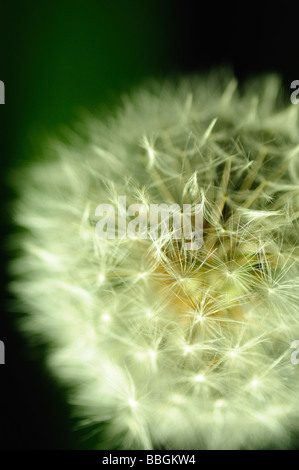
x=58, y=56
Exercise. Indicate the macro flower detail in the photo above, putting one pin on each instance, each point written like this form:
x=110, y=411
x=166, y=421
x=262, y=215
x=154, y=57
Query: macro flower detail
x=171, y=348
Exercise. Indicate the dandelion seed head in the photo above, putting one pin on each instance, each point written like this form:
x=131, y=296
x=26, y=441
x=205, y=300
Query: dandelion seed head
x=171, y=347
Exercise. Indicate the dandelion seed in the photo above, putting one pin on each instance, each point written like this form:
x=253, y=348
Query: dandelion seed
x=188, y=349
x=199, y=378
x=142, y=275
x=149, y=314
x=200, y=318
x=255, y=383
x=106, y=318
x=233, y=353
x=133, y=403
x=220, y=404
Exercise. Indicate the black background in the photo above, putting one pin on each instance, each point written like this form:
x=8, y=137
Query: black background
x=59, y=56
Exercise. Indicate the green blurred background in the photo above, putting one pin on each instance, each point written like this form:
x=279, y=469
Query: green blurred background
x=58, y=57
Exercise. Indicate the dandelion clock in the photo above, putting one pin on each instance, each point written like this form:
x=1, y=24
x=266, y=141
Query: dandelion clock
x=175, y=339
